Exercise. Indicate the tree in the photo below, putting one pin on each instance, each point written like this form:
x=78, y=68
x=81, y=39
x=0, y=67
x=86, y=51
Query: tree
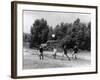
x=39, y=32
x=75, y=32
x=61, y=30
x=50, y=33
x=26, y=37
x=88, y=37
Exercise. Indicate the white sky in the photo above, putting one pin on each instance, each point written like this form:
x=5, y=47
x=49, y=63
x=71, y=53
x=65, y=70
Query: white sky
x=53, y=18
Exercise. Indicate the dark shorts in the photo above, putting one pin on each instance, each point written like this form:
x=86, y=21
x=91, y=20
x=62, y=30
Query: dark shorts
x=65, y=52
x=75, y=52
x=41, y=54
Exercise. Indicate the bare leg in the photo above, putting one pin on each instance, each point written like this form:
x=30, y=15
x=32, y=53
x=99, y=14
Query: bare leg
x=62, y=56
x=75, y=56
x=42, y=55
x=54, y=55
x=67, y=57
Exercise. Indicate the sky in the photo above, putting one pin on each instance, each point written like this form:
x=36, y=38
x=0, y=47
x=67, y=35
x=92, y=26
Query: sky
x=53, y=18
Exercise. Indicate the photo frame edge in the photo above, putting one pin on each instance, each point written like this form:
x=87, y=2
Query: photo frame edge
x=14, y=38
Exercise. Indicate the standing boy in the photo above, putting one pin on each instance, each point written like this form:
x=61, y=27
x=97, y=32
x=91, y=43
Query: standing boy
x=65, y=51
x=54, y=53
x=41, y=52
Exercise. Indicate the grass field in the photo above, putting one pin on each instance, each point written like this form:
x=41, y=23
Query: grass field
x=31, y=60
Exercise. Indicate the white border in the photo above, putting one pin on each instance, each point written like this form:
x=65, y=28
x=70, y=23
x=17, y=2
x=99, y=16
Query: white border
x=21, y=72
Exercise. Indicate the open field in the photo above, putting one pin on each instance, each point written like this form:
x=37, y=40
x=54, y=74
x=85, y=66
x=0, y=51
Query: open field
x=31, y=60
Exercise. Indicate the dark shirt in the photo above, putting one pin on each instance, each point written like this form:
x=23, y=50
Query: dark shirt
x=41, y=49
x=75, y=49
x=65, y=49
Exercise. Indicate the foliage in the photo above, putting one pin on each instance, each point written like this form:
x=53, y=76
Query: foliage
x=69, y=34
x=39, y=32
x=26, y=37
x=74, y=34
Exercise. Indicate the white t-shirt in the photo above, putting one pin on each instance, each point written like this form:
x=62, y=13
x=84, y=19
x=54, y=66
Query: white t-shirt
x=55, y=50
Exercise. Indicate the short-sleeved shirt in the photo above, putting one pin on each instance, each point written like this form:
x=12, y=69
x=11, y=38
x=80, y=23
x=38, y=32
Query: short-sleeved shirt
x=55, y=50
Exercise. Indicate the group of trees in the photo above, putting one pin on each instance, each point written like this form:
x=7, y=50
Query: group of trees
x=39, y=32
x=26, y=37
x=67, y=33
x=75, y=33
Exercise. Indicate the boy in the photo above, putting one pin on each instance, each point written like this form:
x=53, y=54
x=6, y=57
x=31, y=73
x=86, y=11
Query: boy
x=41, y=52
x=55, y=53
x=75, y=50
x=65, y=51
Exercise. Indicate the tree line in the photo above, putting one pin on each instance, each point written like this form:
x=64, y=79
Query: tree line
x=70, y=34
